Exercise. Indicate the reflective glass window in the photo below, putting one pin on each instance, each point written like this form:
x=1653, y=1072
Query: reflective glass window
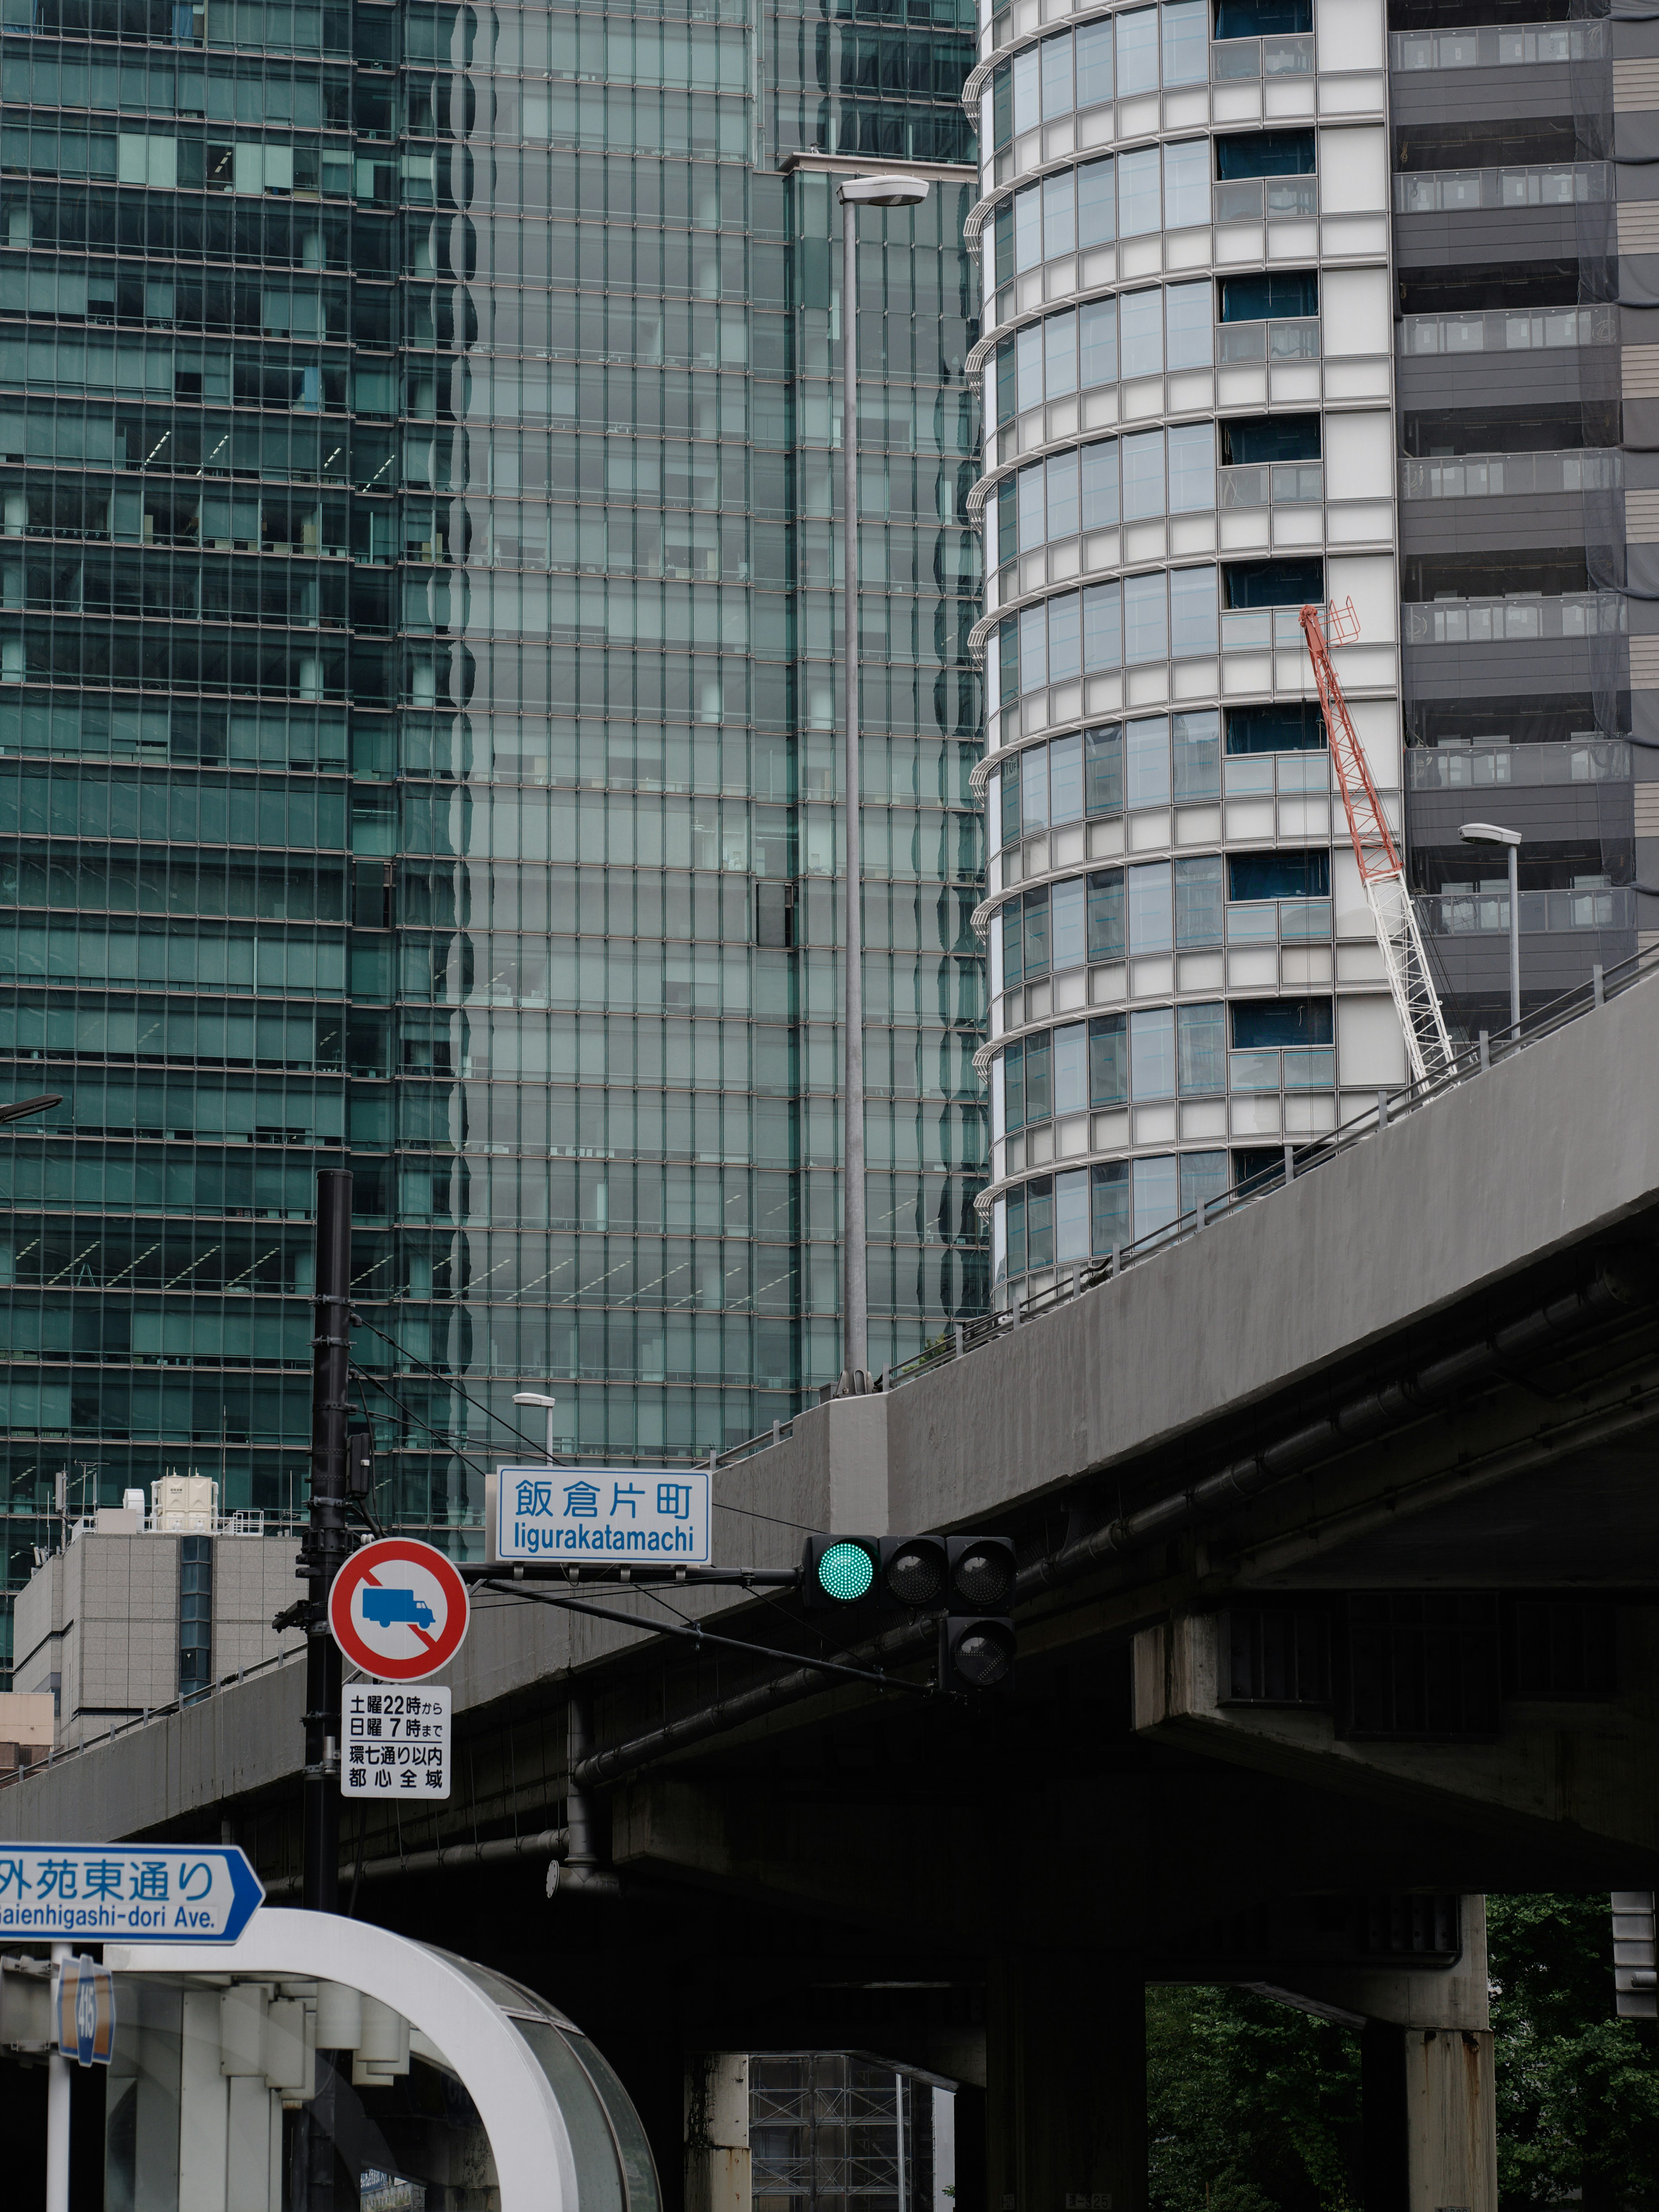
x=1202, y=1041
x=1109, y=1060
x=1148, y=750
x=1191, y=467
x=1152, y=1053
x=1096, y=202
x=1066, y=778
x=1186, y=183
x=1143, y=474
x=1137, y=51
x=1140, y=207
x=1099, y=485
x=1055, y=57
x=1156, y=1184
x=1142, y=347
x=1149, y=907
x=1066, y=910
x=1145, y=618
x=1094, y=62
x=1072, y=1216
x=1102, y=769
x=1059, y=215
x=1106, y=924
x=1071, y=1068
x=1109, y=1196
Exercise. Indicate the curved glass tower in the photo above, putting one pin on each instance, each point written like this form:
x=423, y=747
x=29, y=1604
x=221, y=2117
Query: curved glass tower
x=1188, y=357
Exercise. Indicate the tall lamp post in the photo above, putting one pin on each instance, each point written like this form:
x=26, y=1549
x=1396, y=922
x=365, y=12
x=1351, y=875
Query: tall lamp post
x=1492, y=833
x=854, y=193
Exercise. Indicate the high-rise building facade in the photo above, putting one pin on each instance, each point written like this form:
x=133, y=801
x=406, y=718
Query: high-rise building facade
x=1285, y=305
x=417, y=698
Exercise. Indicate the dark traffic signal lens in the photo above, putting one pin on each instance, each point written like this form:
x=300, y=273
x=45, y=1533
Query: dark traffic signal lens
x=982, y=1574
x=913, y=1570
x=977, y=1654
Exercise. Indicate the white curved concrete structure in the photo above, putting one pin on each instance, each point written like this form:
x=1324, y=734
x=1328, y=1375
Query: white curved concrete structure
x=530, y=2143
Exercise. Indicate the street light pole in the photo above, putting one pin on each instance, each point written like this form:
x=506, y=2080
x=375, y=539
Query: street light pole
x=1494, y=833
x=327, y=1541
x=854, y=193
x=539, y=1398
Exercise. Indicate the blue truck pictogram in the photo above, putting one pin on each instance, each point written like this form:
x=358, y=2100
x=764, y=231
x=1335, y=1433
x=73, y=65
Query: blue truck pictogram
x=388, y=1606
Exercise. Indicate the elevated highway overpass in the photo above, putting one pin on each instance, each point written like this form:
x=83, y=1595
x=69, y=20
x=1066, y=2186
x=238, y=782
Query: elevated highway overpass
x=1339, y=1542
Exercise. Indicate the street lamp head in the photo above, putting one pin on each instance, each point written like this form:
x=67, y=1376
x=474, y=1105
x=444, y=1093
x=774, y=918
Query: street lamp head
x=533, y=1398
x=16, y=1112
x=1488, y=833
x=883, y=191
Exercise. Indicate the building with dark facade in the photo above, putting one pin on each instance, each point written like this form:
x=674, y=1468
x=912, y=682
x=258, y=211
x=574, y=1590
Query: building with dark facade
x=417, y=711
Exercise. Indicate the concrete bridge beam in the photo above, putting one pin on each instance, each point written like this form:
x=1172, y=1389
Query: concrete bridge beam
x=1566, y=1777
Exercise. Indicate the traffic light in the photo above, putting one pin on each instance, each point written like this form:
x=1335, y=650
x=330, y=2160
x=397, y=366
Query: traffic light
x=968, y=1580
x=976, y=1637
x=839, y=1572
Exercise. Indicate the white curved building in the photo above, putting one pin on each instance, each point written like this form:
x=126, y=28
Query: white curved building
x=1187, y=356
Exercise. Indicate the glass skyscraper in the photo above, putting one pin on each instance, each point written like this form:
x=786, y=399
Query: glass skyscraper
x=418, y=697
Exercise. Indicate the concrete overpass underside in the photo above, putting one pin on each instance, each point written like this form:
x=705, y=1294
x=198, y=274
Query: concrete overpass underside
x=1339, y=1534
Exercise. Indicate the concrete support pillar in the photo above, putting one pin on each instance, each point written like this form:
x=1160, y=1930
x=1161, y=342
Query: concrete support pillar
x=1066, y=2089
x=1430, y=2119
x=717, y=2162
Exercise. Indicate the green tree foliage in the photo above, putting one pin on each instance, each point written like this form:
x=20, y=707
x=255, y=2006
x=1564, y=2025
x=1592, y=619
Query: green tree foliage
x=1578, y=2088
x=1251, y=2105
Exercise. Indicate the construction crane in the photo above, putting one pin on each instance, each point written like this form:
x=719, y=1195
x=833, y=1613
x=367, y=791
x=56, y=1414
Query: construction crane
x=1381, y=870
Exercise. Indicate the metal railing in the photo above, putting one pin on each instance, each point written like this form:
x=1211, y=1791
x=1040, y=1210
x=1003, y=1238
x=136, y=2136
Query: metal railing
x=1472, y=767
x=1490, y=47
x=1279, y=922
x=1272, y=484
x=1478, y=622
x=1465, y=914
x=1245, y=630
x=1509, y=330
x=1290, y=53
x=1300, y=1160
x=1266, y=199
x=1449, y=191
x=1500, y=476
x=1293, y=340
x=59, y=1753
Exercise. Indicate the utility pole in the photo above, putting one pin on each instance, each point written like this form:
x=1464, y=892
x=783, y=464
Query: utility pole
x=326, y=1541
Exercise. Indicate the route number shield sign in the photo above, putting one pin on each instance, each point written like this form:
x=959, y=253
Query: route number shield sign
x=397, y=1610
x=86, y=2013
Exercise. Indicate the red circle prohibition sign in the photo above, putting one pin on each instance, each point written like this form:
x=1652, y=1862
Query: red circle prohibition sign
x=397, y=1625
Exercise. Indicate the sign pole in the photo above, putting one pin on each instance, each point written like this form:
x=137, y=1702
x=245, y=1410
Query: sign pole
x=326, y=1542
x=58, y=2107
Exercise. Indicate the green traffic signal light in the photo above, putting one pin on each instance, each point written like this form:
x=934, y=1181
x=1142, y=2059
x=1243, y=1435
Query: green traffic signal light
x=844, y=1572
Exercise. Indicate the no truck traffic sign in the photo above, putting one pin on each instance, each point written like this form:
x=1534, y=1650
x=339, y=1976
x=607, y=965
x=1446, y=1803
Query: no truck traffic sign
x=397, y=1610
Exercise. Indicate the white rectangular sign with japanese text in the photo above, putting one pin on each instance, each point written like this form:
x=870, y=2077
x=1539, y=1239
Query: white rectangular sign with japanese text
x=645, y=1516
x=396, y=1740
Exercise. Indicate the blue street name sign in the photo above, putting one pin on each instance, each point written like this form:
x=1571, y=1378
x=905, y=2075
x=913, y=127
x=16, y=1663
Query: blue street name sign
x=127, y=1892
x=647, y=1517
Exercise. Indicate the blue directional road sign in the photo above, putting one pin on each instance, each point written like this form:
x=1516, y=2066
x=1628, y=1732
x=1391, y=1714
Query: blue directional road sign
x=127, y=1892
x=598, y=1517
